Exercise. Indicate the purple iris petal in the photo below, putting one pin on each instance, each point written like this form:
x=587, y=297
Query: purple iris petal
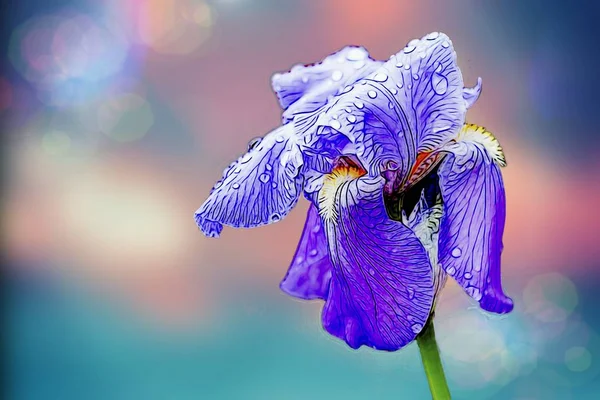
x=310, y=272
x=473, y=223
x=260, y=187
x=412, y=103
x=472, y=94
x=381, y=290
x=306, y=88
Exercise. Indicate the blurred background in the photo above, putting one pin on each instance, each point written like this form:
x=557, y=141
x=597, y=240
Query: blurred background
x=119, y=115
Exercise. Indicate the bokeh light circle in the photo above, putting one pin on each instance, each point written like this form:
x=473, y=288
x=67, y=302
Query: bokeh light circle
x=550, y=297
x=578, y=359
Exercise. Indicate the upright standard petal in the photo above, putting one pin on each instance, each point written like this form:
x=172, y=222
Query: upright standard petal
x=411, y=104
x=381, y=290
x=306, y=88
x=260, y=187
x=310, y=272
x=474, y=213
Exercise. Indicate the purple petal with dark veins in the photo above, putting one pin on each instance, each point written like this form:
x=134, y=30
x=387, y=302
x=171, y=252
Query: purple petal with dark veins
x=412, y=103
x=473, y=223
x=260, y=187
x=306, y=88
x=310, y=272
x=381, y=291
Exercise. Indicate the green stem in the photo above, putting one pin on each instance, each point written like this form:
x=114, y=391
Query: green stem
x=430, y=354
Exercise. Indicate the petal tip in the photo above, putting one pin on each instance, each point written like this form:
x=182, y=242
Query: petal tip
x=497, y=304
x=210, y=229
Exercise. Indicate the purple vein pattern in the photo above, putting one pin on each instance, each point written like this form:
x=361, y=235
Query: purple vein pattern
x=359, y=138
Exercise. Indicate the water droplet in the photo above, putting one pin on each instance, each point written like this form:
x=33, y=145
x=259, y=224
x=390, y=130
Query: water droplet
x=237, y=170
x=445, y=44
x=355, y=54
x=433, y=35
x=305, y=79
x=372, y=271
x=275, y=217
x=416, y=328
x=422, y=55
x=313, y=252
x=358, y=104
x=254, y=142
x=399, y=65
x=268, y=167
x=391, y=104
x=274, y=185
x=415, y=76
x=264, y=178
x=351, y=119
x=411, y=293
x=393, y=90
x=347, y=89
x=279, y=139
x=410, y=85
x=456, y=252
x=407, y=67
x=337, y=75
x=439, y=83
x=335, y=124
x=235, y=186
x=451, y=271
x=400, y=84
x=245, y=158
x=380, y=77
x=359, y=65
x=316, y=228
x=372, y=94
x=218, y=184
x=409, y=49
x=468, y=275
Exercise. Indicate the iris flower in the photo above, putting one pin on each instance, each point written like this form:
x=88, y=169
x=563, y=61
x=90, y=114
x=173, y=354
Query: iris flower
x=403, y=193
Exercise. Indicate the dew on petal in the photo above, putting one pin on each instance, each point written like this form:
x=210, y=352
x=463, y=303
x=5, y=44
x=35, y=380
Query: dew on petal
x=235, y=186
x=380, y=77
x=264, y=178
x=355, y=54
x=433, y=36
x=347, y=89
x=445, y=44
x=393, y=90
x=305, y=79
x=337, y=75
x=245, y=158
x=399, y=65
x=409, y=49
x=372, y=271
x=274, y=185
x=391, y=104
x=313, y=252
x=468, y=275
x=451, y=271
x=439, y=83
x=275, y=217
x=407, y=67
x=411, y=293
x=415, y=76
x=268, y=167
x=279, y=139
x=372, y=94
x=351, y=119
x=456, y=252
x=416, y=328
x=358, y=104
x=335, y=124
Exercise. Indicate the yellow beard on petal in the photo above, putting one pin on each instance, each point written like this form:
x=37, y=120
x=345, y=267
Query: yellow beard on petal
x=331, y=184
x=478, y=134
